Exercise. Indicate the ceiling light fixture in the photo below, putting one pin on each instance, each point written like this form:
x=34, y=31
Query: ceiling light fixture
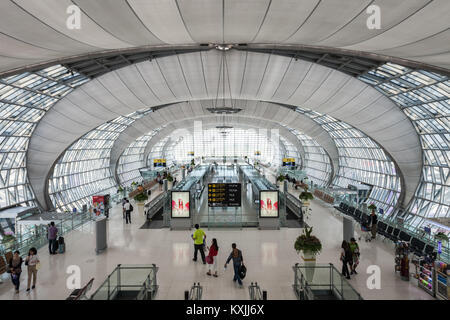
x=224, y=110
x=223, y=47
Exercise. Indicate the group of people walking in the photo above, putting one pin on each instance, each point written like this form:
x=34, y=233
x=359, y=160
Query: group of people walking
x=15, y=268
x=199, y=237
x=32, y=261
x=349, y=257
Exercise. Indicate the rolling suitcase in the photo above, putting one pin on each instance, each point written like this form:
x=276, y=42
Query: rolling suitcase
x=61, y=245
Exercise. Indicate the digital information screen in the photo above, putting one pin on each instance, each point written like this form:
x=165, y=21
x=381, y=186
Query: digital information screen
x=180, y=204
x=159, y=162
x=268, y=204
x=224, y=195
x=288, y=162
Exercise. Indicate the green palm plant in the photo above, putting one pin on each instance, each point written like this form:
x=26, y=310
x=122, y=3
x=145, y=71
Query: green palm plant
x=141, y=197
x=306, y=242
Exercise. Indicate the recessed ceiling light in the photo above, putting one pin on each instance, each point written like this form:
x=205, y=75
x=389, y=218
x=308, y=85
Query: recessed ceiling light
x=224, y=110
x=223, y=47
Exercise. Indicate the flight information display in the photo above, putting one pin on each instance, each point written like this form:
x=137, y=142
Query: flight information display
x=224, y=195
x=288, y=162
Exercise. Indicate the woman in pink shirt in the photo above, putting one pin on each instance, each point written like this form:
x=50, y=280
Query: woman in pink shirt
x=212, y=257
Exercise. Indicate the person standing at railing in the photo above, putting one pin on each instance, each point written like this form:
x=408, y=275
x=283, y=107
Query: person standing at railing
x=52, y=235
x=33, y=263
x=15, y=268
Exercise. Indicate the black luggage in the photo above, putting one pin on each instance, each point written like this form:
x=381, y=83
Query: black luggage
x=242, y=271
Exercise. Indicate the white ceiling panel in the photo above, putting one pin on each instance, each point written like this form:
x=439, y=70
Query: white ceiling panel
x=163, y=19
x=54, y=14
x=415, y=29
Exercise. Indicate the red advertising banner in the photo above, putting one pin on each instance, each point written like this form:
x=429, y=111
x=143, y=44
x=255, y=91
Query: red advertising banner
x=98, y=202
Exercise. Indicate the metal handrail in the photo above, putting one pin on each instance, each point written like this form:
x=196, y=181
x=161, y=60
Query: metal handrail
x=256, y=293
x=304, y=289
x=147, y=290
x=154, y=204
x=195, y=293
x=24, y=243
x=389, y=220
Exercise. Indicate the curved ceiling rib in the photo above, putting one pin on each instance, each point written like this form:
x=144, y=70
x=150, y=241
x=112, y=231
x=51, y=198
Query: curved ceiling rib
x=411, y=29
x=252, y=111
x=253, y=76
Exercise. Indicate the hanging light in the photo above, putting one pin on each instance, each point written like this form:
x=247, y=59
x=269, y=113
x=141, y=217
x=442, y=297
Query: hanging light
x=216, y=109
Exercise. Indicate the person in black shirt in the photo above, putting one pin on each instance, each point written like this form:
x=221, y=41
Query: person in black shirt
x=346, y=258
x=374, y=221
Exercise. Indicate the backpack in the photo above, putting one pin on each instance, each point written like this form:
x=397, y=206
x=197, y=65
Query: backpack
x=131, y=207
x=61, y=240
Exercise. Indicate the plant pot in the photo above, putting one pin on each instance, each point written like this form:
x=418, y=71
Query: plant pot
x=140, y=207
x=309, y=259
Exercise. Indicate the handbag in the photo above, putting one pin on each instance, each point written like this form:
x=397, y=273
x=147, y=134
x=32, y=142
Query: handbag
x=242, y=271
x=209, y=260
x=38, y=266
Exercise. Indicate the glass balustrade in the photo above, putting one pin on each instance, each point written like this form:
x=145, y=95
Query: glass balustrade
x=322, y=282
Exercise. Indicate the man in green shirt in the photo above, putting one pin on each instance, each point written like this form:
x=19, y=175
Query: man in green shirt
x=199, y=237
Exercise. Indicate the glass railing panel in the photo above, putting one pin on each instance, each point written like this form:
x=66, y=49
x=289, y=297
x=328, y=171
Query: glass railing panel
x=103, y=292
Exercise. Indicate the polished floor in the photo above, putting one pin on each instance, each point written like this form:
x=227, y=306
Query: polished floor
x=268, y=255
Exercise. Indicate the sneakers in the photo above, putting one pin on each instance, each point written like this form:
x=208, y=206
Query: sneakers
x=28, y=289
x=17, y=291
x=354, y=271
x=33, y=287
x=215, y=275
x=208, y=273
x=348, y=277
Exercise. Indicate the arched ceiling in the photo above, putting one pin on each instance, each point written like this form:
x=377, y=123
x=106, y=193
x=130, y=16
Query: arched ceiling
x=252, y=76
x=253, y=112
x=247, y=117
x=36, y=32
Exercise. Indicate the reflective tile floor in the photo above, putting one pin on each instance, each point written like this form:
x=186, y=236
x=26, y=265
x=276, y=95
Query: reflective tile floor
x=268, y=255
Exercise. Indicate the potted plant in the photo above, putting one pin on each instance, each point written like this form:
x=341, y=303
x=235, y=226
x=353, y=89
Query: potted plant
x=305, y=197
x=310, y=246
x=140, y=201
x=169, y=178
x=280, y=180
x=120, y=189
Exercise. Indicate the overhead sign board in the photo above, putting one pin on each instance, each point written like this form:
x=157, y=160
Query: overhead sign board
x=224, y=195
